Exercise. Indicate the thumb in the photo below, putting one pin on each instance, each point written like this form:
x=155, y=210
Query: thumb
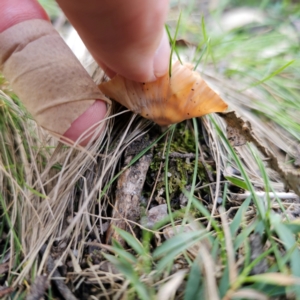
x=126, y=37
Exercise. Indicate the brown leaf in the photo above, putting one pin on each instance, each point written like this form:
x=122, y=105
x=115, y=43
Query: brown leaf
x=290, y=176
x=234, y=137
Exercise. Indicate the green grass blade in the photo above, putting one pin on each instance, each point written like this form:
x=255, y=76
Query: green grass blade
x=131, y=241
x=192, y=290
x=166, y=175
x=122, y=253
x=173, y=43
x=237, y=182
x=288, y=239
x=128, y=271
x=238, y=162
x=195, y=172
x=274, y=73
x=236, y=222
x=198, y=205
x=175, y=246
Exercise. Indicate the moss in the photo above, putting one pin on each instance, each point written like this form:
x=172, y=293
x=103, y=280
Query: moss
x=184, y=140
x=180, y=169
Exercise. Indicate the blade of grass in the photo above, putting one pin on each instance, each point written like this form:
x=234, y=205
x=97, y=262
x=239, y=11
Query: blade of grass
x=176, y=246
x=238, y=162
x=166, y=175
x=173, y=43
x=238, y=182
x=236, y=222
x=192, y=290
x=274, y=73
x=128, y=271
x=195, y=172
x=131, y=241
x=289, y=243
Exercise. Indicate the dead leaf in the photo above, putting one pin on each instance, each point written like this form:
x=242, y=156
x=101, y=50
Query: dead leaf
x=234, y=137
x=289, y=175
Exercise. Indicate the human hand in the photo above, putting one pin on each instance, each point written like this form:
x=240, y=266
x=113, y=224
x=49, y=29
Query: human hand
x=124, y=36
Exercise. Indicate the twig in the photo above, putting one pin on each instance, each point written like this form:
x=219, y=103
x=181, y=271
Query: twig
x=129, y=191
x=181, y=155
x=52, y=269
x=280, y=195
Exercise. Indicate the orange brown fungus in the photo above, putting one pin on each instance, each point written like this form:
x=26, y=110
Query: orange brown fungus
x=168, y=100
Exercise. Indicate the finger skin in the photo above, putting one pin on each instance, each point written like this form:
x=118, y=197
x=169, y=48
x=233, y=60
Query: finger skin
x=122, y=34
x=91, y=116
x=17, y=11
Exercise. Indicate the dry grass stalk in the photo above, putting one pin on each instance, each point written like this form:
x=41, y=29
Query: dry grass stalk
x=168, y=290
x=233, y=272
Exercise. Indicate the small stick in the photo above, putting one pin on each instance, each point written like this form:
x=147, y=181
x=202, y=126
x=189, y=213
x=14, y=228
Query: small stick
x=52, y=269
x=280, y=195
x=128, y=193
x=182, y=155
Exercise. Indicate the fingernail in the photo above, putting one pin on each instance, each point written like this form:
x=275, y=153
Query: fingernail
x=161, y=58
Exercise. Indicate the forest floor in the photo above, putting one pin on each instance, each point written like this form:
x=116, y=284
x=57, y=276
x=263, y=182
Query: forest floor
x=204, y=209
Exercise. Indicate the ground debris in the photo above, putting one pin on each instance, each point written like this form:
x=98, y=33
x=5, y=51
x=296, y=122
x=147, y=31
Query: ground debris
x=38, y=288
x=182, y=155
x=4, y=268
x=155, y=214
x=257, y=249
x=129, y=192
x=59, y=283
x=290, y=176
x=297, y=158
x=170, y=232
x=108, y=267
x=5, y=290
